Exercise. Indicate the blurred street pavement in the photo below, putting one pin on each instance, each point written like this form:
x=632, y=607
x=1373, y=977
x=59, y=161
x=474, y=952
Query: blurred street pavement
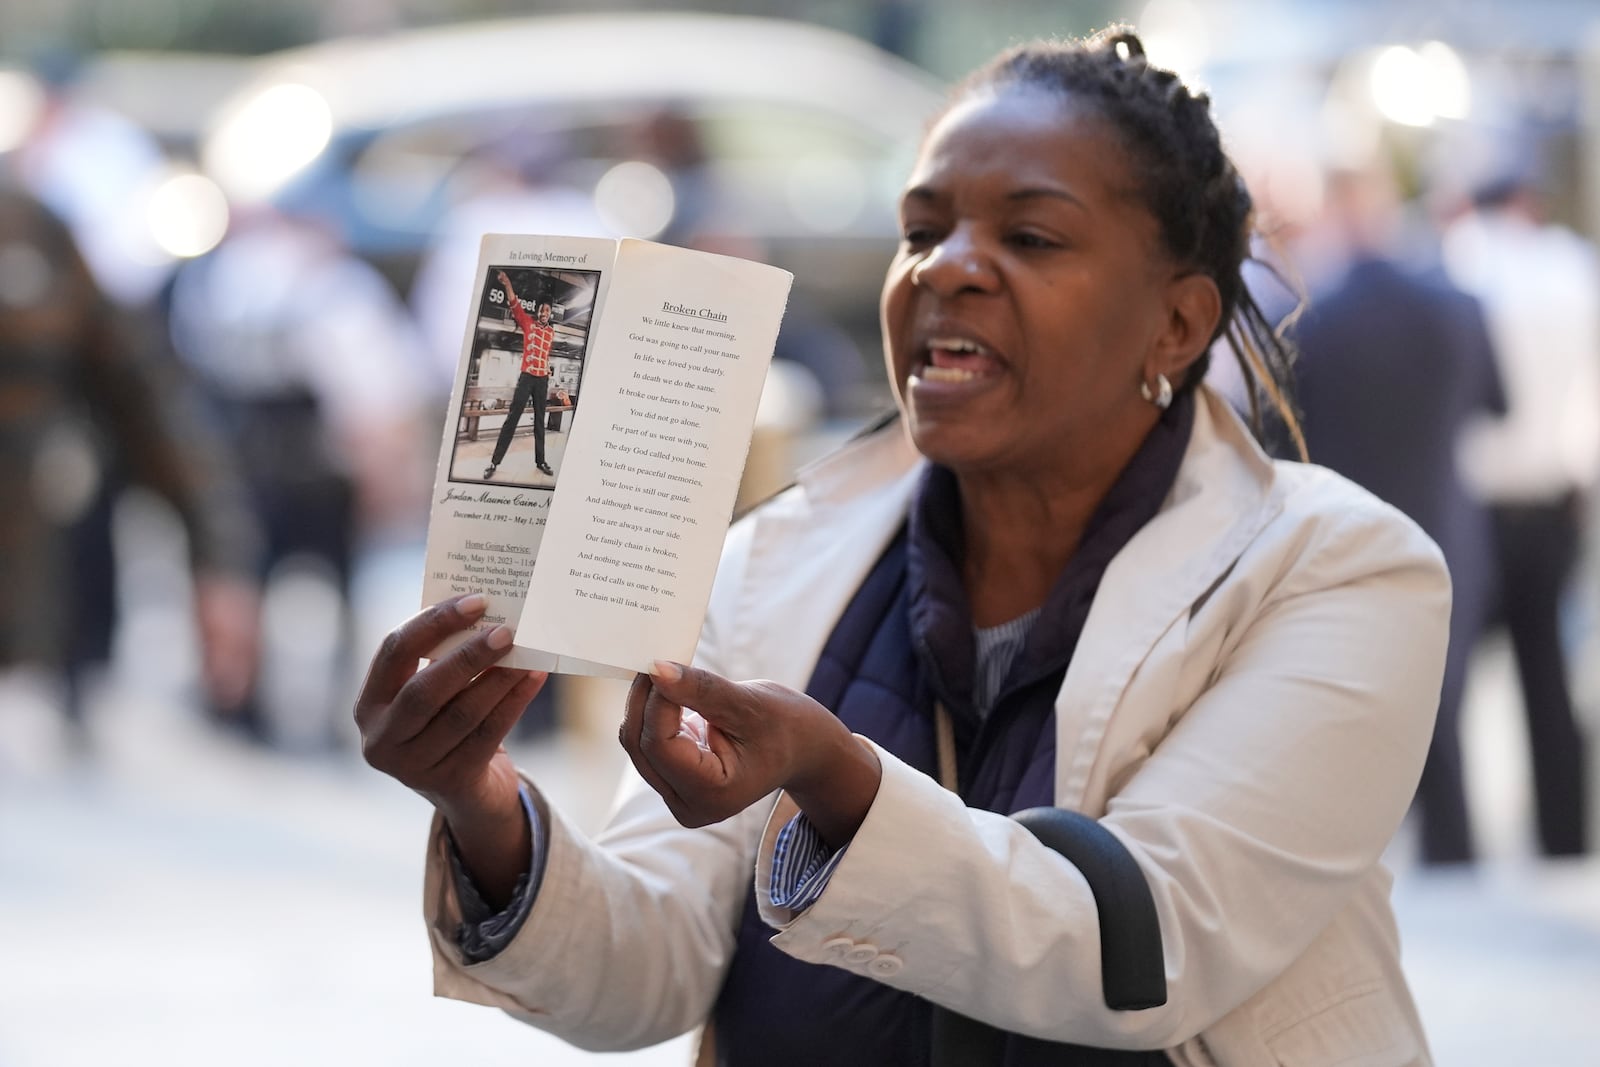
x=188, y=899
x=179, y=897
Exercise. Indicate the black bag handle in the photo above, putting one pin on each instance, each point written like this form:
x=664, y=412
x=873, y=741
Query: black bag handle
x=1132, y=966
x=1133, y=970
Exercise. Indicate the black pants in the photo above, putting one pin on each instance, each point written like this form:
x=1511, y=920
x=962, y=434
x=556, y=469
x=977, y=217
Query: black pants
x=1441, y=802
x=1538, y=545
x=528, y=386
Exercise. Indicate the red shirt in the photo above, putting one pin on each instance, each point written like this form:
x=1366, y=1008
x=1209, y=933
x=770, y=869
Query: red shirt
x=537, y=338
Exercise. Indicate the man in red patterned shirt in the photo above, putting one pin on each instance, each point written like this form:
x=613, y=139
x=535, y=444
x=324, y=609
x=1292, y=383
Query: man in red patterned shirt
x=534, y=381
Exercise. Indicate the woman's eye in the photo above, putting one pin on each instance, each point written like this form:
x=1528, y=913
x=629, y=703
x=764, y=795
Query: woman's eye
x=917, y=235
x=1030, y=240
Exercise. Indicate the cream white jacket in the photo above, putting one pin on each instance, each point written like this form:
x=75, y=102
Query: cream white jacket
x=1247, y=709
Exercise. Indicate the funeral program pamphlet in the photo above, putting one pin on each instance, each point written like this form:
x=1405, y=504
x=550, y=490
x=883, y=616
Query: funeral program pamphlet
x=597, y=432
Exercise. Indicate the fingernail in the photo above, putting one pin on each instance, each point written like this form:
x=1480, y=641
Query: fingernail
x=499, y=637
x=666, y=670
x=473, y=604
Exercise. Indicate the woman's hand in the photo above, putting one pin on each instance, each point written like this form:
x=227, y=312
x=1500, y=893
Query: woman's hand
x=439, y=730
x=712, y=747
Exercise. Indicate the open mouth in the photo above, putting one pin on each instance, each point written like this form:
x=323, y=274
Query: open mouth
x=956, y=360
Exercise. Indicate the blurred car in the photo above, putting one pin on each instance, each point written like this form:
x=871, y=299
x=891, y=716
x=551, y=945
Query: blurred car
x=807, y=133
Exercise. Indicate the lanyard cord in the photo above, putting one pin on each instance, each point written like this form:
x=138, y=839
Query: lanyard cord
x=945, y=743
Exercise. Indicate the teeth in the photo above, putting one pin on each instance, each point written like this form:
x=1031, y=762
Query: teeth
x=947, y=374
x=955, y=344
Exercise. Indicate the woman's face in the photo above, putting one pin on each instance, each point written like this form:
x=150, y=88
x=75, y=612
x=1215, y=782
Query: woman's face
x=1029, y=296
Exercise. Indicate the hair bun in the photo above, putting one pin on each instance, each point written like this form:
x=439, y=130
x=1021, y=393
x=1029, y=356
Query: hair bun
x=1125, y=43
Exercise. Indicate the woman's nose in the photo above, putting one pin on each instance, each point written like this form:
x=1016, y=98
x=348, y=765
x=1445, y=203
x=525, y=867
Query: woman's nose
x=955, y=264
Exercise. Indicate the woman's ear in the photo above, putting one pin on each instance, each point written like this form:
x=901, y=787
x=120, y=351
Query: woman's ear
x=1194, y=307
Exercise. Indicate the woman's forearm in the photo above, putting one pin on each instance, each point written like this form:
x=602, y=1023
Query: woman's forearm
x=495, y=847
x=838, y=794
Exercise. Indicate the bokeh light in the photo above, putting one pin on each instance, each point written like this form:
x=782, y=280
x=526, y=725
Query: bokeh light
x=1450, y=87
x=273, y=136
x=635, y=199
x=1417, y=87
x=1175, y=36
x=188, y=214
x=20, y=101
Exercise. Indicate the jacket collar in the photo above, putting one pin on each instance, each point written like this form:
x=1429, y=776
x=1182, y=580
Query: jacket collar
x=1224, y=495
x=812, y=547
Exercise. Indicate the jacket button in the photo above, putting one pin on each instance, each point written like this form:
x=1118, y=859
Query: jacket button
x=838, y=945
x=885, y=966
x=861, y=954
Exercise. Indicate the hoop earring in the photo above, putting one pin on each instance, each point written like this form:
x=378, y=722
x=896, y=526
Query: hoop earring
x=1161, y=396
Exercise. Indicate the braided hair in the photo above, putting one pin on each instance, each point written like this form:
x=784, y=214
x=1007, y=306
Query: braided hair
x=1200, y=203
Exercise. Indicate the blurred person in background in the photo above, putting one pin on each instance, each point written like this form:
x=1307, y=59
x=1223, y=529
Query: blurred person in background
x=1392, y=366
x=314, y=365
x=671, y=140
x=80, y=395
x=1535, y=468
x=1066, y=577
x=95, y=169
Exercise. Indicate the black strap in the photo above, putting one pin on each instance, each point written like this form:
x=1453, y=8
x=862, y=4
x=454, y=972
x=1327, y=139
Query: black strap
x=1133, y=971
x=1132, y=967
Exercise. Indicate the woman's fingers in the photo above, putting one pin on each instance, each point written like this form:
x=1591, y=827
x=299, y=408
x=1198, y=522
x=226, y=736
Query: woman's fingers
x=710, y=746
x=448, y=758
x=438, y=730
x=633, y=713
x=632, y=733
x=421, y=699
x=466, y=711
x=478, y=744
x=396, y=660
x=726, y=704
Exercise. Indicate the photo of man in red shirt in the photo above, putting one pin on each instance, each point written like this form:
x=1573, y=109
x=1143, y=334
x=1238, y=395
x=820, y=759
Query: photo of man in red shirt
x=534, y=381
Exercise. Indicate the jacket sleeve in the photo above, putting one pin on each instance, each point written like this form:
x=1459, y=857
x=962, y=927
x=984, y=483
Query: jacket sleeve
x=1256, y=815
x=629, y=937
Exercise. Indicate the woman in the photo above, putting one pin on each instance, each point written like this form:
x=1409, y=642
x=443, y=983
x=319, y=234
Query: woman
x=1070, y=560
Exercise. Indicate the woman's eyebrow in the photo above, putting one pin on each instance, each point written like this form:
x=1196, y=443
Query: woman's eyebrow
x=1036, y=191
x=926, y=193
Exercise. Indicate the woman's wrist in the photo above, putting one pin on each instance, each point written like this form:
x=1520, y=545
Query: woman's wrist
x=485, y=806
x=494, y=842
x=837, y=787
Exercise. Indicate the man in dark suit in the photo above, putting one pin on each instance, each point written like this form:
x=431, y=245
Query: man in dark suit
x=1393, y=363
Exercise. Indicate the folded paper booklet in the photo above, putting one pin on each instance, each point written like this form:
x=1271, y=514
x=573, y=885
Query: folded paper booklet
x=597, y=433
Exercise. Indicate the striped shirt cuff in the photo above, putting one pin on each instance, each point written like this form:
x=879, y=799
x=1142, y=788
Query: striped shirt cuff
x=483, y=933
x=802, y=864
